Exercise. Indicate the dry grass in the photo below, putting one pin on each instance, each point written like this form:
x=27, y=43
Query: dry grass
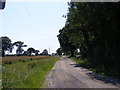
x=9, y=59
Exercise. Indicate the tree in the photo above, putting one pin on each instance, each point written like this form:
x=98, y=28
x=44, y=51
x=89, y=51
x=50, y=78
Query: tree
x=2, y=4
x=19, y=46
x=65, y=44
x=36, y=52
x=25, y=53
x=6, y=45
x=59, y=51
x=45, y=52
x=94, y=28
x=30, y=51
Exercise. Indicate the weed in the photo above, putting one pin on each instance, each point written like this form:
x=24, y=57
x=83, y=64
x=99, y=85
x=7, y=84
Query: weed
x=28, y=74
x=31, y=65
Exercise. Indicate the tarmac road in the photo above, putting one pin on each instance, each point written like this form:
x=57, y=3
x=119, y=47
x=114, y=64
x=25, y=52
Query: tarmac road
x=67, y=74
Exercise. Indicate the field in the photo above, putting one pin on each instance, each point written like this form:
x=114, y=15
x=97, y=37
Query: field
x=25, y=71
x=11, y=59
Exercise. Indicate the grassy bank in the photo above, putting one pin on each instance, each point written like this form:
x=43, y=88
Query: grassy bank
x=28, y=74
x=98, y=69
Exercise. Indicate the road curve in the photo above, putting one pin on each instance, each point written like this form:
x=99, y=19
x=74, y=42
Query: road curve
x=65, y=74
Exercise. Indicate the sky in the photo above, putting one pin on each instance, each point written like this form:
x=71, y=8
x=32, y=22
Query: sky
x=37, y=24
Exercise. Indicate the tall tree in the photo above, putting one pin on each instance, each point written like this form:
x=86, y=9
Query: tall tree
x=65, y=43
x=19, y=46
x=5, y=45
x=94, y=28
x=2, y=4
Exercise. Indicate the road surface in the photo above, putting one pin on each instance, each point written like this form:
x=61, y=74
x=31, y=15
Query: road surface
x=67, y=74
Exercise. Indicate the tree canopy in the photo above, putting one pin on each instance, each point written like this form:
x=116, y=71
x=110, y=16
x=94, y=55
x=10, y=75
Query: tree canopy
x=94, y=29
x=30, y=51
x=19, y=46
x=45, y=52
x=6, y=45
x=59, y=51
x=37, y=52
x=2, y=4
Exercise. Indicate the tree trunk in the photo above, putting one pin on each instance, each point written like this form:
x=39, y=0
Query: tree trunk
x=3, y=52
x=72, y=53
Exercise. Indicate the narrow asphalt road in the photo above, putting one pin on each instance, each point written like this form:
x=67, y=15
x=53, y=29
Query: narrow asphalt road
x=67, y=74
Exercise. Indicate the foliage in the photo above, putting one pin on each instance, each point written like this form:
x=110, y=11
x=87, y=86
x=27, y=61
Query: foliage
x=5, y=44
x=19, y=46
x=30, y=51
x=25, y=53
x=2, y=4
x=66, y=45
x=45, y=52
x=37, y=52
x=59, y=51
x=94, y=29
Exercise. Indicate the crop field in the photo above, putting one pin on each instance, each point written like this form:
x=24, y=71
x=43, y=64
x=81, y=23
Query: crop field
x=10, y=59
x=25, y=71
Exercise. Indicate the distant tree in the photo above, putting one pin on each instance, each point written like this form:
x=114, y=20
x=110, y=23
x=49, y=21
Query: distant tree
x=25, y=53
x=5, y=45
x=36, y=52
x=53, y=54
x=19, y=46
x=45, y=52
x=41, y=54
x=30, y=51
x=59, y=51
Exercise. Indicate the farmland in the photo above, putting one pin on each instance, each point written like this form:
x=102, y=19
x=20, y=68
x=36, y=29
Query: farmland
x=11, y=59
x=25, y=71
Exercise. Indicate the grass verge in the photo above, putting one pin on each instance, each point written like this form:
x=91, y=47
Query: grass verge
x=100, y=70
x=30, y=74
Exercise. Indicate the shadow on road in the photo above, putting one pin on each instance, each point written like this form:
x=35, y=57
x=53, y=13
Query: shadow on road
x=104, y=79
x=75, y=65
x=99, y=77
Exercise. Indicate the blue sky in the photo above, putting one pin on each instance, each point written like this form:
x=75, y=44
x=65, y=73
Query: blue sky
x=37, y=24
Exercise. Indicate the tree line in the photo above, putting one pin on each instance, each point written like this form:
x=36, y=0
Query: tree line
x=94, y=29
x=7, y=45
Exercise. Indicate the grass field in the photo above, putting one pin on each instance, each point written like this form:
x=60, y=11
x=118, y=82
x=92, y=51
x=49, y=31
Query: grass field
x=26, y=72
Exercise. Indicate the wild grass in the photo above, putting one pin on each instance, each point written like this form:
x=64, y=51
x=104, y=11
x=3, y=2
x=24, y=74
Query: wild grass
x=30, y=74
